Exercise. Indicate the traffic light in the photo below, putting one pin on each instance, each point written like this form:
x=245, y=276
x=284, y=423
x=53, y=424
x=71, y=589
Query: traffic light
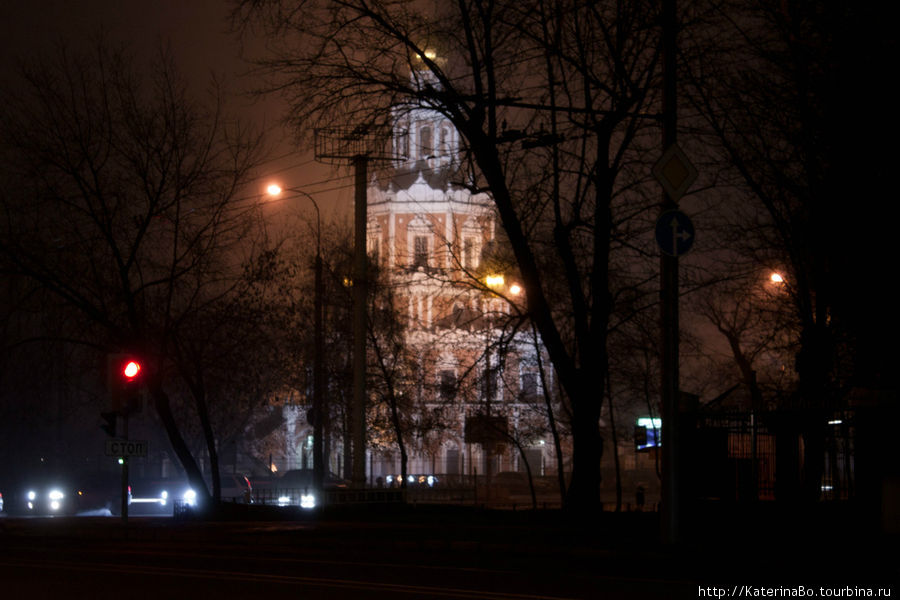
x=109, y=425
x=124, y=381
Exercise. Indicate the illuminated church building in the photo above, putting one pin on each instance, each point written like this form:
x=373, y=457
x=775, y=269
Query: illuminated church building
x=428, y=234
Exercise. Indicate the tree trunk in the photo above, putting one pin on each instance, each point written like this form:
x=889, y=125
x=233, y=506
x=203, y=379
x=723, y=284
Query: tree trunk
x=164, y=410
x=209, y=437
x=583, y=495
x=615, y=444
x=398, y=431
x=551, y=418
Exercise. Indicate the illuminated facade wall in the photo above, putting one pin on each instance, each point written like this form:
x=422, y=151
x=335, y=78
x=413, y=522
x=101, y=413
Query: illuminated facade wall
x=428, y=232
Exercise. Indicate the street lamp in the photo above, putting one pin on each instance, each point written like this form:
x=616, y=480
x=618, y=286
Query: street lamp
x=494, y=281
x=497, y=284
x=318, y=344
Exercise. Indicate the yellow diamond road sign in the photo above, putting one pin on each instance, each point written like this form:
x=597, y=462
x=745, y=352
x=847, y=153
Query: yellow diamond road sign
x=675, y=172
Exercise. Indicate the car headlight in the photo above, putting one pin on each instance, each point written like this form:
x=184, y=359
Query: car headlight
x=307, y=501
x=31, y=495
x=56, y=495
x=190, y=497
x=284, y=500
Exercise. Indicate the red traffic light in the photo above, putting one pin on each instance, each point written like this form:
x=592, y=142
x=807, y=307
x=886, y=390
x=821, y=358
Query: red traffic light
x=123, y=368
x=131, y=369
x=124, y=381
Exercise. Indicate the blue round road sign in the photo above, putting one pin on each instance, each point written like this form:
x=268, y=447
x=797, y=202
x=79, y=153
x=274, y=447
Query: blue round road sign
x=674, y=233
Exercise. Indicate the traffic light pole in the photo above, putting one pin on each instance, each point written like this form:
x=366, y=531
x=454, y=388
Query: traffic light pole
x=124, y=504
x=123, y=377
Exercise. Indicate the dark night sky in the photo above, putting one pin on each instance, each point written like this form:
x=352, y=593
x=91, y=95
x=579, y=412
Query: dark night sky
x=198, y=33
x=197, y=28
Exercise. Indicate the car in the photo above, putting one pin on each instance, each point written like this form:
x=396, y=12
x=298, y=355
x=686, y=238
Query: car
x=41, y=490
x=148, y=497
x=296, y=487
x=47, y=498
x=1, y=501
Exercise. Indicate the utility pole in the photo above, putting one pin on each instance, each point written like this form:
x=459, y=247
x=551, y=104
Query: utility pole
x=668, y=267
x=359, y=146
x=318, y=408
x=318, y=371
x=360, y=294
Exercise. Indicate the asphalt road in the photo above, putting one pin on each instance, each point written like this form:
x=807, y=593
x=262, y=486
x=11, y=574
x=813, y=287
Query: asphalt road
x=447, y=556
x=154, y=558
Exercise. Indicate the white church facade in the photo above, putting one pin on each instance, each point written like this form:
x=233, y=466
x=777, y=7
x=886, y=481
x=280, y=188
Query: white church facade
x=478, y=378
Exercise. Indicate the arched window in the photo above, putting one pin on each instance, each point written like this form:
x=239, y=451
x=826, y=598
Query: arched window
x=403, y=139
x=426, y=142
x=420, y=251
x=445, y=141
x=420, y=240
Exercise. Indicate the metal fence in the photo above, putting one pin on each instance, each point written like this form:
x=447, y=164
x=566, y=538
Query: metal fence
x=737, y=456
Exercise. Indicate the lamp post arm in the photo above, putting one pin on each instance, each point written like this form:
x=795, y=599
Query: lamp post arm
x=315, y=204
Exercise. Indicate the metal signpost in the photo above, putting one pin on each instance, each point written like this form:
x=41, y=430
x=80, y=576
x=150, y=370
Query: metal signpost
x=676, y=174
x=124, y=374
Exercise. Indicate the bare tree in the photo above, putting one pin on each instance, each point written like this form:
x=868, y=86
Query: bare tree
x=391, y=367
x=125, y=204
x=750, y=315
x=550, y=98
x=786, y=101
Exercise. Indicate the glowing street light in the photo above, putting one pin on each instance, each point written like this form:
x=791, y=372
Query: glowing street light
x=273, y=189
x=494, y=281
x=776, y=278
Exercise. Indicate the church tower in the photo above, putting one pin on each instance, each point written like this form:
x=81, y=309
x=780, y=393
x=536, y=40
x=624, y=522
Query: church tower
x=428, y=233
x=425, y=226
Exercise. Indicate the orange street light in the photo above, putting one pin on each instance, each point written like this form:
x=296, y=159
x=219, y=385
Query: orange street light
x=318, y=408
x=494, y=281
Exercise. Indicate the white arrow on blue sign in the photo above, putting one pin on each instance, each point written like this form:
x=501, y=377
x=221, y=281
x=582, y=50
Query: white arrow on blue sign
x=674, y=233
